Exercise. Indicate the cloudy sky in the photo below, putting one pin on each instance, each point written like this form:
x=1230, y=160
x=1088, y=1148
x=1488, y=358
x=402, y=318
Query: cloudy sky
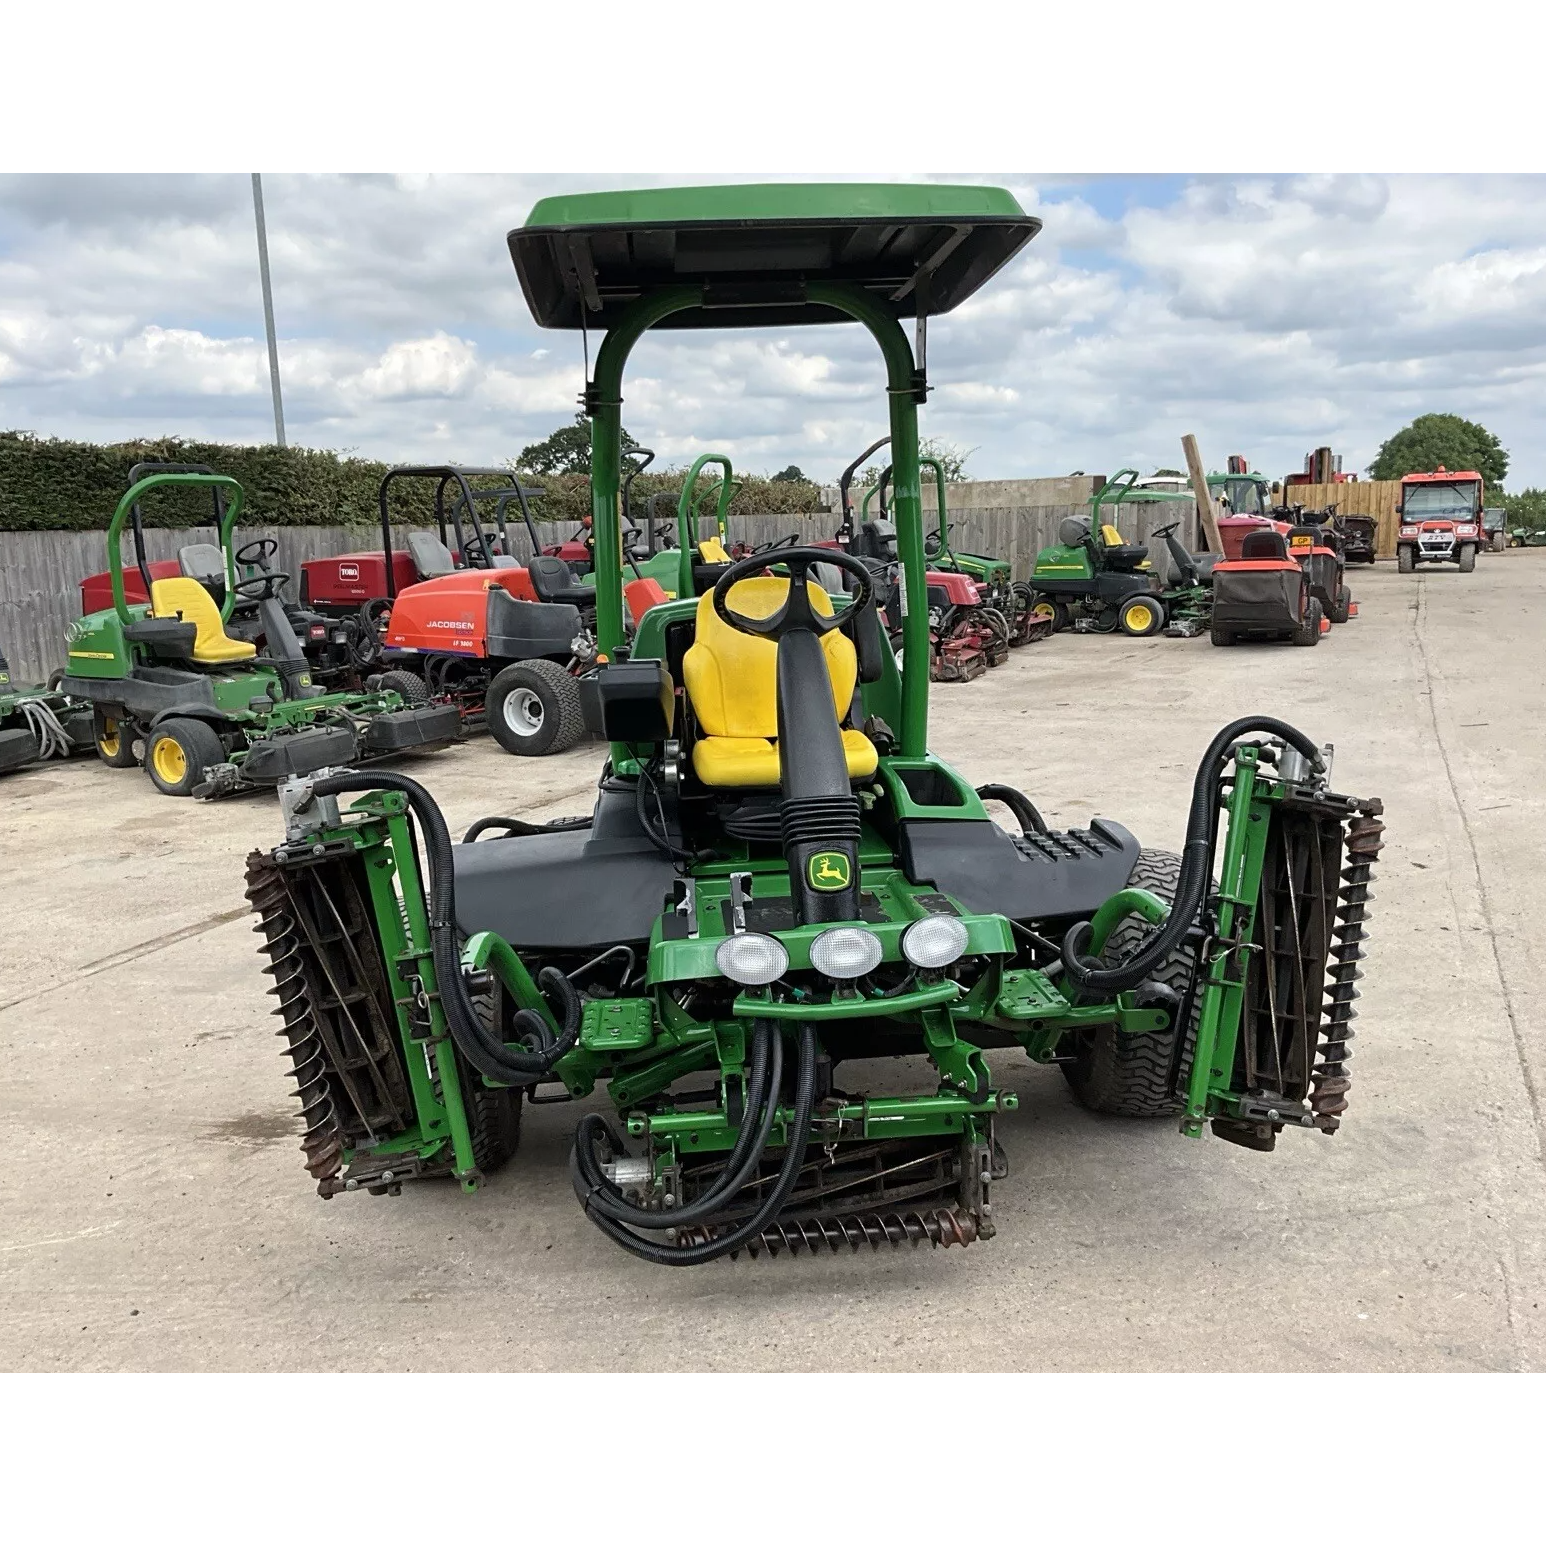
x=1268, y=315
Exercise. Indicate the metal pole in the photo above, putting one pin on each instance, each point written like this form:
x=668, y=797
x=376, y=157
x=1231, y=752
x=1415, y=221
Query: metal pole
x=268, y=309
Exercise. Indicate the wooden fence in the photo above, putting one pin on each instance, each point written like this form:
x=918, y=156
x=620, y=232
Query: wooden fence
x=40, y=572
x=1376, y=499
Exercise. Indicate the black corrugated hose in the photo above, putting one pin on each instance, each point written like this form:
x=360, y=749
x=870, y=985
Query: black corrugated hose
x=1085, y=972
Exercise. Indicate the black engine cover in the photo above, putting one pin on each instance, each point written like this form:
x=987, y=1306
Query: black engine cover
x=1065, y=875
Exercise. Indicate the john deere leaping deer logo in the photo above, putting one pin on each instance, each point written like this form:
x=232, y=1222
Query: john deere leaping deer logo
x=829, y=872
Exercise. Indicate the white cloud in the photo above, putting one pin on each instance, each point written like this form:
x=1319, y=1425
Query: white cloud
x=1267, y=315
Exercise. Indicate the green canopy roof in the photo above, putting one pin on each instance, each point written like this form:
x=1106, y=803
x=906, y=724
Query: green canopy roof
x=753, y=247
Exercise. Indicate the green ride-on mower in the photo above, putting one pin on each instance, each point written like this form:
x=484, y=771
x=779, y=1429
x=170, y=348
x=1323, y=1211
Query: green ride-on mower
x=1093, y=581
x=778, y=879
x=207, y=714
x=39, y=723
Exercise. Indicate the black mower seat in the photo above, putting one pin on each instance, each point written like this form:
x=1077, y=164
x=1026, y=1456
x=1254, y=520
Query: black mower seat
x=1264, y=543
x=204, y=562
x=553, y=580
x=731, y=678
x=431, y=557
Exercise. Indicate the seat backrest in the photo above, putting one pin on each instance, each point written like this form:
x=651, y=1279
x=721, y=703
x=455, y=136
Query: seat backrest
x=204, y=562
x=1110, y=535
x=550, y=576
x=504, y=561
x=712, y=551
x=183, y=597
x=431, y=557
x=1263, y=543
x=731, y=676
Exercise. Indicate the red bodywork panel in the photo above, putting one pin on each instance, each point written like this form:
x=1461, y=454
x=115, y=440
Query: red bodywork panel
x=351, y=579
x=450, y=614
x=641, y=595
x=960, y=591
x=97, y=589
x=1243, y=565
x=572, y=552
x=1234, y=529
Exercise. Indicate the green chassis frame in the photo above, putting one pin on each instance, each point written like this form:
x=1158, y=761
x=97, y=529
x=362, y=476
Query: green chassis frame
x=642, y=1044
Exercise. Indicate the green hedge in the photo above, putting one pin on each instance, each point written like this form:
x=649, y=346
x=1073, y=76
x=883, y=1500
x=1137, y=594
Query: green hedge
x=71, y=485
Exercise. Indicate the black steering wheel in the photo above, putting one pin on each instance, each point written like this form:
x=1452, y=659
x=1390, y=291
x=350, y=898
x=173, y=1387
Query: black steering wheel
x=271, y=581
x=1165, y=531
x=476, y=552
x=797, y=615
x=932, y=546
x=258, y=551
x=777, y=543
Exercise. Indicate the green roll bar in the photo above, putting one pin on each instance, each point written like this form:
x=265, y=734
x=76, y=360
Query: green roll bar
x=215, y=480
x=687, y=514
x=604, y=402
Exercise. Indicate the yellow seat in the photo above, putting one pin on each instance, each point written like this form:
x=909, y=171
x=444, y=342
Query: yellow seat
x=713, y=552
x=731, y=678
x=187, y=599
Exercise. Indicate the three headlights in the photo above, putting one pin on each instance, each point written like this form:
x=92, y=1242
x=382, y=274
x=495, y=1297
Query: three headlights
x=842, y=953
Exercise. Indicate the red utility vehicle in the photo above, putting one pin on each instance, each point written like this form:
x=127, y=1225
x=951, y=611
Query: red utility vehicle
x=1441, y=519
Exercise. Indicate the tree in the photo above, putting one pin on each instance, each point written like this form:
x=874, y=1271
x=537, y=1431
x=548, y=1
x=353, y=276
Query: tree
x=950, y=456
x=565, y=450
x=791, y=474
x=1441, y=440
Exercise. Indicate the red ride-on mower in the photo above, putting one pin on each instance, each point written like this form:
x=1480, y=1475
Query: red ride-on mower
x=500, y=641
x=1264, y=594
x=1317, y=548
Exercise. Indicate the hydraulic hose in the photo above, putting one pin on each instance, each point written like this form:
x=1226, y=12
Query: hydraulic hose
x=483, y=1050
x=1030, y=819
x=597, y=1193
x=788, y=1175
x=513, y=826
x=1196, y=865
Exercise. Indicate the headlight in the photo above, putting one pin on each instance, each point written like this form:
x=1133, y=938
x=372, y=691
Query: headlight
x=935, y=942
x=753, y=960
x=845, y=953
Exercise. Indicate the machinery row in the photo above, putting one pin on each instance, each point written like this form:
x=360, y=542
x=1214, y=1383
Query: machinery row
x=216, y=673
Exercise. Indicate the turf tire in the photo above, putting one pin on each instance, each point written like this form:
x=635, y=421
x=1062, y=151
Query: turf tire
x=111, y=730
x=562, y=721
x=1342, y=608
x=1150, y=608
x=1467, y=557
x=200, y=746
x=1124, y=1074
x=408, y=685
x=1221, y=635
x=1061, y=616
x=1406, y=558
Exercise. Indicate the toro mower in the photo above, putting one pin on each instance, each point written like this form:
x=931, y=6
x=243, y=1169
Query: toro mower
x=209, y=714
x=1317, y=548
x=1012, y=599
x=1441, y=520
x=779, y=881
x=1264, y=594
x=965, y=636
x=1095, y=582
x=37, y=723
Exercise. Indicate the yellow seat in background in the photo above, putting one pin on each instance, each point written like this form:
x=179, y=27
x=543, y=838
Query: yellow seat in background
x=187, y=599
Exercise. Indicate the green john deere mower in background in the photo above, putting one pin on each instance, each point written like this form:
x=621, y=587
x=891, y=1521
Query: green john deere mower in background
x=778, y=879
x=1096, y=582
x=207, y=714
x=39, y=723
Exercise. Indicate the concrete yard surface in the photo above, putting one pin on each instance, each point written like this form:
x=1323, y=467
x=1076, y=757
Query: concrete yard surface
x=154, y=1212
